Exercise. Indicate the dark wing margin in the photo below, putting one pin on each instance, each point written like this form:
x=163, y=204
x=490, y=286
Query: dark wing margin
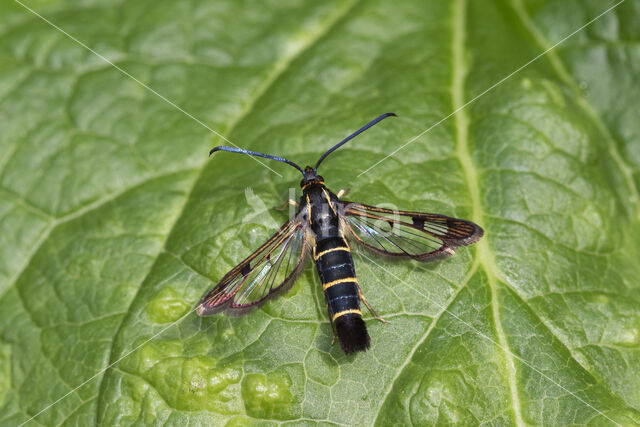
x=417, y=235
x=270, y=270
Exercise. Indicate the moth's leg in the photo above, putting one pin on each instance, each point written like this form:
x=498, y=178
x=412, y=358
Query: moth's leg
x=289, y=202
x=343, y=192
x=333, y=329
x=364, y=300
x=333, y=338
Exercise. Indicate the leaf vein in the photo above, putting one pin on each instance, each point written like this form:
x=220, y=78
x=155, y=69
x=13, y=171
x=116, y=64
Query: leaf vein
x=444, y=309
x=566, y=346
x=278, y=70
x=565, y=76
x=484, y=254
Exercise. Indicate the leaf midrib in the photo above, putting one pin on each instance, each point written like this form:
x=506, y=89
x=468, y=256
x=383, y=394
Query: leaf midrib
x=484, y=254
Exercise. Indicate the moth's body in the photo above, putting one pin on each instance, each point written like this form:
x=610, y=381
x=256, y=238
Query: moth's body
x=332, y=255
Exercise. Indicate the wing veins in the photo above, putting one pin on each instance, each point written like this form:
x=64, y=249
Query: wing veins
x=425, y=236
x=381, y=245
x=391, y=241
x=259, y=287
x=235, y=294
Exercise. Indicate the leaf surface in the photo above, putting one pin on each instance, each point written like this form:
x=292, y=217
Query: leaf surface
x=115, y=222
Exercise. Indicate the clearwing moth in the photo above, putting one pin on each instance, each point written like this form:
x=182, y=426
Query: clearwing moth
x=322, y=227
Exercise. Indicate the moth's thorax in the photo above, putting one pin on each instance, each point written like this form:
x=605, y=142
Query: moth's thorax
x=322, y=209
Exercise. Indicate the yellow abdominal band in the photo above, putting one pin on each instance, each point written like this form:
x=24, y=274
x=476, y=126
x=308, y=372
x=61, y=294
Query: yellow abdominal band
x=342, y=313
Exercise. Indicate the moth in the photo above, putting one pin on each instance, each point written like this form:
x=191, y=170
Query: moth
x=324, y=227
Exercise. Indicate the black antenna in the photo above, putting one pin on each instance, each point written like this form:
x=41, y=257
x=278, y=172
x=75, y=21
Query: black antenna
x=254, y=153
x=350, y=137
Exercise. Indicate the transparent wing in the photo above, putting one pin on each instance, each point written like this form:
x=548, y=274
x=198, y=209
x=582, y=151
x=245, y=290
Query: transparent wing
x=418, y=235
x=270, y=270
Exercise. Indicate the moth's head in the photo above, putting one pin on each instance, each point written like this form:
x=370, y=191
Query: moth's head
x=310, y=176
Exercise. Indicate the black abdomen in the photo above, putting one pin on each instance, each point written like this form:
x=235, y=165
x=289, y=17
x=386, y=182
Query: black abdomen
x=337, y=274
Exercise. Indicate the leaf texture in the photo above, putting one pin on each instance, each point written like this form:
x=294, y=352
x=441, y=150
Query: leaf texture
x=114, y=222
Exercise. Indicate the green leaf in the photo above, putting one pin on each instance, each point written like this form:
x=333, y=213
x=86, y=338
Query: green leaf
x=114, y=221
